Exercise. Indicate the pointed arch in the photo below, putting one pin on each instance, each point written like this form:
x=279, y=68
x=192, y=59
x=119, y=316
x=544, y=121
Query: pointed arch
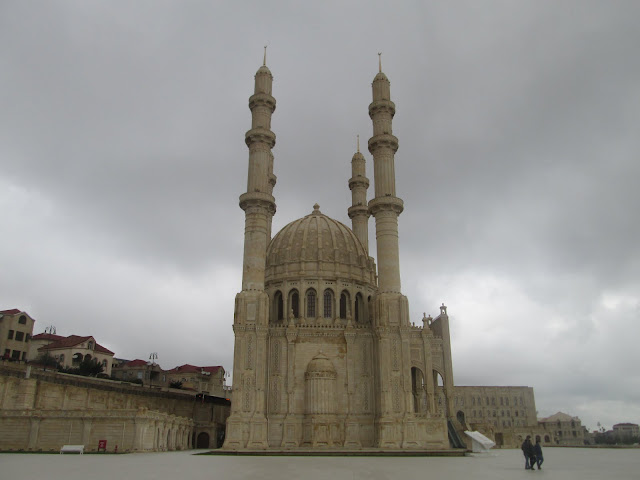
x=344, y=304
x=311, y=303
x=294, y=303
x=359, y=310
x=278, y=307
x=327, y=303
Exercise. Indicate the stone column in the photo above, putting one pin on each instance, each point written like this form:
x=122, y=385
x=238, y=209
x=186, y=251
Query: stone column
x=352, y=427
x=427, y=336
x=290, y=424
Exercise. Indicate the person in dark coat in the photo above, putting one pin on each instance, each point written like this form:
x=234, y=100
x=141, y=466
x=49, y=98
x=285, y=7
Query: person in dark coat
x=529, y=453
x=537, y=448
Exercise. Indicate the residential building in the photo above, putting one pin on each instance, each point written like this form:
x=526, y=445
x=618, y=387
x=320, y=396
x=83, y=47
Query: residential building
x=16, y=329
x=562, y=429
x=139, y=371
x=71, y=351
x=626, y=431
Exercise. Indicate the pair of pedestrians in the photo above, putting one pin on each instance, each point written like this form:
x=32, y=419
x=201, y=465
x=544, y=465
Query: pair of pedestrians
x=532, y=453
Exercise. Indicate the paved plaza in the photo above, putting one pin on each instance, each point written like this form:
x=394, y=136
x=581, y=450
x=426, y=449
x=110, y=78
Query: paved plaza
x=560, y=463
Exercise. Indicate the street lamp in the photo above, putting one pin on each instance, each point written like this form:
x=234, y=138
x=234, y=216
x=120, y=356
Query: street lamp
x=152, y=357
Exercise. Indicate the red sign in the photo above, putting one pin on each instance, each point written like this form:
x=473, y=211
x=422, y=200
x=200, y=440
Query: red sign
x=102, y=444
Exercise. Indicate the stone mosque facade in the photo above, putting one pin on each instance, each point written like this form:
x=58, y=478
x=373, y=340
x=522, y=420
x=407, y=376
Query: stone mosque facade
x=325, y=354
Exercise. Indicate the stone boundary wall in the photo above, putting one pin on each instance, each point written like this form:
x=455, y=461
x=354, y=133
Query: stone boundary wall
x=49, y=409
x=124, y=430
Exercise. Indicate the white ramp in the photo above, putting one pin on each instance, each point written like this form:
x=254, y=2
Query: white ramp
x=480, y=443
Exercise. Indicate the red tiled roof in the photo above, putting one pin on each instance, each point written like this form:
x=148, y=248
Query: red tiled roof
x=101, y=349
x=186, y=368
x=72, y=341
x=14, y=311
x=47, y=336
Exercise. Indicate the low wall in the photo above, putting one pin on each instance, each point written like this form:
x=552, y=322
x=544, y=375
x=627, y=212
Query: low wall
x=48, y=410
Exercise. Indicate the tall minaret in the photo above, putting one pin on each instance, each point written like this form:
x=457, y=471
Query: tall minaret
x=390, y=307
x=258, y=203
x=251, y=315
x=358, y=212
x=385, y=206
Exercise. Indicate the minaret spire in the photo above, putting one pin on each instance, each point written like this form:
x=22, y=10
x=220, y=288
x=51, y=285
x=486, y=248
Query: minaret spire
x=379, y=61
x=258, y=203
x=385, y=206
x=358, y=212
x=264, y=61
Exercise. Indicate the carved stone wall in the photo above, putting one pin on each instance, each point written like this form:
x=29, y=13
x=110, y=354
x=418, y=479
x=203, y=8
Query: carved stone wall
x=48, y=410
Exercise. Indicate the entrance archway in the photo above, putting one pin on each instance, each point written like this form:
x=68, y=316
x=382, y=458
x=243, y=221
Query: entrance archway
x=203, y=440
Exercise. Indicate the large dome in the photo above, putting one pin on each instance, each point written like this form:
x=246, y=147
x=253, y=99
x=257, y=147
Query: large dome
x=318, y=246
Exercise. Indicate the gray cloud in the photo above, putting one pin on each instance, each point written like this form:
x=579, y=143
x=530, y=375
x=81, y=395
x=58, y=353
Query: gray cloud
x=122, y=159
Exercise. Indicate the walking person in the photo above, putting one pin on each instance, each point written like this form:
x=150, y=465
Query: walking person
x=537, y=448
x=529, y=453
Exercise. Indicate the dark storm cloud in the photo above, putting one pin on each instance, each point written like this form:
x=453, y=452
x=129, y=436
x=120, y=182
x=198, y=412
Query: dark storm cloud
x=122, y=158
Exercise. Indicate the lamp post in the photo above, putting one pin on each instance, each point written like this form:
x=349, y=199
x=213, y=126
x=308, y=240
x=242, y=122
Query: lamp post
x=152, y=357
x=51, y=330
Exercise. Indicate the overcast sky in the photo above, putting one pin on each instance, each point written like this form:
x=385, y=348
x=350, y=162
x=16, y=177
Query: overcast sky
x=122, y=158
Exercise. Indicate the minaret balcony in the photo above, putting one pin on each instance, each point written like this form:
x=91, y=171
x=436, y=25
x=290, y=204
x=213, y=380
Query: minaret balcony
x=358, y=182
x=262, y=100
x=358, y=210
x=260, y=135
x=259, y=200
x=382, y=106
x=386, y=203
x=384, y=140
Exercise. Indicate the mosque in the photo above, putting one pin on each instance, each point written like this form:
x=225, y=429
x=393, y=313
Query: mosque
x=325, y=354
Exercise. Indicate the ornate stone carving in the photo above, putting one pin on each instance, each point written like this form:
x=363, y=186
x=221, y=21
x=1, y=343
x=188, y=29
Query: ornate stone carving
x=249, y=358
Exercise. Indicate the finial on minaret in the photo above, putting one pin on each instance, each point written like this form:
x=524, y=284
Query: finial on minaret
x=379, y=61
x=264, y=60
x=358, y=137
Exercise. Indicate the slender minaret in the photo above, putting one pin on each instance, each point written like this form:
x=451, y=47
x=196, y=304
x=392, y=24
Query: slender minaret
x=358, y=211
x=258, y=203
x=385, y=206
x=252, y=303
x=390, y=307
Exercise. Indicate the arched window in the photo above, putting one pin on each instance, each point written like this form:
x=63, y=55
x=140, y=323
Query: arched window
x=359, y=316
x=77, y=359
x=328, y=303
x=295, y=304
x=278, y=306
x=344, y=301
x=311, y=303
x=90, y=346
